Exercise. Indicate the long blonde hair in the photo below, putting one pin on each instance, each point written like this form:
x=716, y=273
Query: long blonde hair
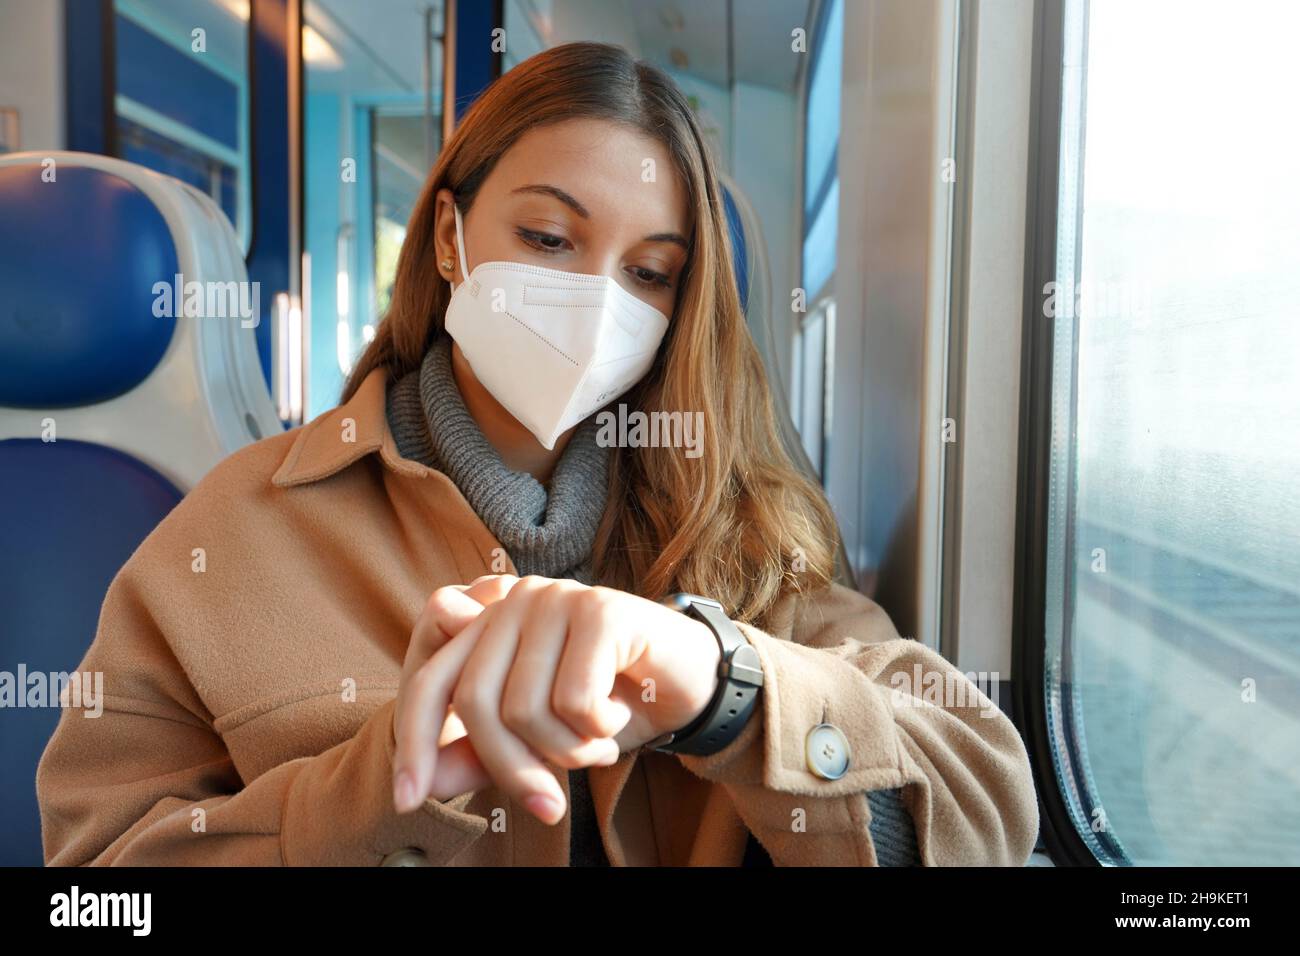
x=739, y=523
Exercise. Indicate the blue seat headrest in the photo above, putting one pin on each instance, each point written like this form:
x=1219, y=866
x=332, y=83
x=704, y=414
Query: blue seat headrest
x=79, y=257
x=739, y=247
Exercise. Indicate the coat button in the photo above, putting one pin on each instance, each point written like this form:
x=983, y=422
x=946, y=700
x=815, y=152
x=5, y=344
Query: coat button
x=827, y=751
x=409, y=856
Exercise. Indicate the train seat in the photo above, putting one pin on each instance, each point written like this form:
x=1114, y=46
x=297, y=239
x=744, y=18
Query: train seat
x=111, y=408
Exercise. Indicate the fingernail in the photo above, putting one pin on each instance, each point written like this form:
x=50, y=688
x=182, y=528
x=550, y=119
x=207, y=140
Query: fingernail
x=545, y=807
x=404, y=792
x=609, y=759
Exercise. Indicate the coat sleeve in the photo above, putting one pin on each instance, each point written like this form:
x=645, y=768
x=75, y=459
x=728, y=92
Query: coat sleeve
x=149, y=781
x=914, y=724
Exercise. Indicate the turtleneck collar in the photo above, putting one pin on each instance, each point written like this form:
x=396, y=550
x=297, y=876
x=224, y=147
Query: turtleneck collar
x=547, y=533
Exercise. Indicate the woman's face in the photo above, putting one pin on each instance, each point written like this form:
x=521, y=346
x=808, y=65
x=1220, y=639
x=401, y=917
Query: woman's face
x=585, y=196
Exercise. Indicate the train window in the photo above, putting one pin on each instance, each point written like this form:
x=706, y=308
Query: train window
x=372, y=128
x=193, y=126
x=813, y=384
x=1174, y=528
x=815, y=332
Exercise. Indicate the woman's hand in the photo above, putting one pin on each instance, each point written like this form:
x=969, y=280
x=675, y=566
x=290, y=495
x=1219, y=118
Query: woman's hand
x=538, y=669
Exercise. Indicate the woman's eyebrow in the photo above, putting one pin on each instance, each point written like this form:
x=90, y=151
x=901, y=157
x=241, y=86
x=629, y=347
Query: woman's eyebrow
x=548, y=190
x=675, y=237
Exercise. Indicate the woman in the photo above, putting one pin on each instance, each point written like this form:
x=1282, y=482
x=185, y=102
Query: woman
x=416, y=629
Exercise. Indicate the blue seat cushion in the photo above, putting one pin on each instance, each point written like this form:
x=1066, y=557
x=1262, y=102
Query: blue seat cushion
x=72, y=512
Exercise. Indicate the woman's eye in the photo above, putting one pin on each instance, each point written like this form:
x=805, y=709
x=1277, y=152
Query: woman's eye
x=545, y=241
x=648, y=277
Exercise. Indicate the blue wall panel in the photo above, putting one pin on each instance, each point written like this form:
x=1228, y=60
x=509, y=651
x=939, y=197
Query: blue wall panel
x=476, y=64
x=157, y=75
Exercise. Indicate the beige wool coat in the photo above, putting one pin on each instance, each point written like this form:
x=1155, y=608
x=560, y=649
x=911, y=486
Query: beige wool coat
x=251, y=649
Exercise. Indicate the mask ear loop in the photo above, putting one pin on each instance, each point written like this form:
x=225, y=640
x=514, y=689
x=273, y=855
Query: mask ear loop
x=460, y=244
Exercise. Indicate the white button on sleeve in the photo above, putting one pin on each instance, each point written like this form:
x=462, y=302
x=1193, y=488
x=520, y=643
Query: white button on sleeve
x=827, y=751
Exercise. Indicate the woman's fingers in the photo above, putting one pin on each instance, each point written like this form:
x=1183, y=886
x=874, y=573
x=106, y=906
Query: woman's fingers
x=587, y=670
x=529, y=668
x=459, y=771
x=422, y=704
x=526, y=701
x=514, y=768
x=490, y=588
x=448, y=611
x=424, y=692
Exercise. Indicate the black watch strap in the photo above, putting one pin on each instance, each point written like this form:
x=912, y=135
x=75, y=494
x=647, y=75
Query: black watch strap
x=740, y=678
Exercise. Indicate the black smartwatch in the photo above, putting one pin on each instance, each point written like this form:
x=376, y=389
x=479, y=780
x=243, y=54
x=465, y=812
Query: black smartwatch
x=740, y=677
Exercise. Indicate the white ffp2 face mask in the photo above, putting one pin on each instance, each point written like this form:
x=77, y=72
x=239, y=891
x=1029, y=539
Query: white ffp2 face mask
x=551, y=346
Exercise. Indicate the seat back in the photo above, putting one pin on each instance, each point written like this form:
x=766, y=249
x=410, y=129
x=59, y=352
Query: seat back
x=112, y=405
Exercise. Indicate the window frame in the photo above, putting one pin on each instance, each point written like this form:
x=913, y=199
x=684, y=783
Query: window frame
x=815, y=300
x=1031, y=580
x=191, y=139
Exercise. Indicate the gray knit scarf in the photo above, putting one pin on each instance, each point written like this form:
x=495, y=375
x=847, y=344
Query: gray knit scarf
x=545, y=530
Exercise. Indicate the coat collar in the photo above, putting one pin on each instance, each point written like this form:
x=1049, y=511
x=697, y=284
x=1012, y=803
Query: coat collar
x=337, y=438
